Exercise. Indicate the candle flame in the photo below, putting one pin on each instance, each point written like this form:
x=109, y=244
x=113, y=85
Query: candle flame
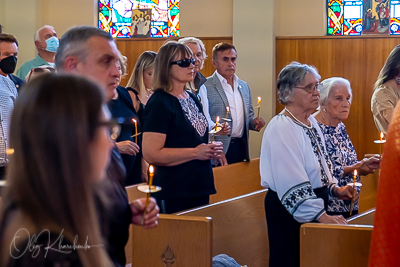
x=355, y=172
x=151, y=169
x=382, y=135
x=10, y=151
x=217, y=120
x=227, y=109
x=259, y=100
x=134, y=120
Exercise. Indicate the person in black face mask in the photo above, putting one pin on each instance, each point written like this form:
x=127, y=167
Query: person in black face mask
x=8, y=93
x=8, y=58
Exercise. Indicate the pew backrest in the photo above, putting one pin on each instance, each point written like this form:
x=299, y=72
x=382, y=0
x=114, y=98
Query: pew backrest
x=239, y=228
x=177, y=241
x=236, y=179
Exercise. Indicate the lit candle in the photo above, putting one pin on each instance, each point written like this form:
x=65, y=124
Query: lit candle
x=381, y=144
x=215, y=129
x=135, y=130
x=151, y=172
x=151, y=175
x=226, y=117
x=258, y=106
x=354, y=189
x=381, y=136
x=227, y=112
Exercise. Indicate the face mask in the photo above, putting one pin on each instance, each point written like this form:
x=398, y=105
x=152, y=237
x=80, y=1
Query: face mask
x=52, y=44
x=8, y=64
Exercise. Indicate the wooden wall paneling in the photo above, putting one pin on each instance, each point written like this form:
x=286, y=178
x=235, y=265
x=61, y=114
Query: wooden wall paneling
x=132, y=48
x=358, y=59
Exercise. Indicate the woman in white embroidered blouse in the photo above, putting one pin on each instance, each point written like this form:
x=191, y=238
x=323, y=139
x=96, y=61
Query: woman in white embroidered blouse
x=295, y=167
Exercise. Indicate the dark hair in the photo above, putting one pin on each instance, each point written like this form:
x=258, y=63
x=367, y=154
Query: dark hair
x=221, y=47
x=74, y=43
x=168, y=53
x=9, y=38
x=49, y=175
x=391, y=68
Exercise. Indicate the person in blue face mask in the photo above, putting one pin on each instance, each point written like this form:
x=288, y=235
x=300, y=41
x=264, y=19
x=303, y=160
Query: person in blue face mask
x=46, y=42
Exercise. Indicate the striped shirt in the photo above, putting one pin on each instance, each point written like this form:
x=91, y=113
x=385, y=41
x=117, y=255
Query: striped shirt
x=8, y=95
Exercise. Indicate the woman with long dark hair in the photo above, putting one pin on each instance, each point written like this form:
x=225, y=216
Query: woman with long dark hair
x=60, y=134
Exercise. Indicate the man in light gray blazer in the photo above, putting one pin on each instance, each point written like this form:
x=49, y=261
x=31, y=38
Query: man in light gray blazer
x=224, y=90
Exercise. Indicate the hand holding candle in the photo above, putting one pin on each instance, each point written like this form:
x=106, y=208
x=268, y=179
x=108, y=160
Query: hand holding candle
x=258, y=106
x=354, y=189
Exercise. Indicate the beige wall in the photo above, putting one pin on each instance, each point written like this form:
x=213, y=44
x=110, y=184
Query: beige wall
x=300, y=17
x=254, y=39
x=20, y=17
x=206, y=18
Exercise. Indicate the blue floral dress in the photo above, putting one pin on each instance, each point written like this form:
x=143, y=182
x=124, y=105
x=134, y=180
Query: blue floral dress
x=341, y=153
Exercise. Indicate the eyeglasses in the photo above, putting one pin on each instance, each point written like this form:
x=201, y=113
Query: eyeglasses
x=113, y=126
x=311, y=87
x=184, y=63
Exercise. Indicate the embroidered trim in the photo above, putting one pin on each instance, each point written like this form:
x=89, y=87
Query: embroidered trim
x=318, y=148
x=319, y=215
x=196, y=118
x=331, y=186
x=296, y=195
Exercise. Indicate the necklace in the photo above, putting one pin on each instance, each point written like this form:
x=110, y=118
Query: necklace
x=298, y=121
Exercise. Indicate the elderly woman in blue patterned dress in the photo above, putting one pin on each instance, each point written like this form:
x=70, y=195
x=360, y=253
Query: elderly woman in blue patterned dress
x=294, y=166
x=335, y=102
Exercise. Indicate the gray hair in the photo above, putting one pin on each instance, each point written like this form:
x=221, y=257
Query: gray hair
x=74, y=43
x=290, y=76
x=329, y=84
x=36, y=37
x=195, y=40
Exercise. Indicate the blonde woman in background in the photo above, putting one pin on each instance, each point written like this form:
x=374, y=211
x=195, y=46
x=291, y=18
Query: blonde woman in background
x=140, y=83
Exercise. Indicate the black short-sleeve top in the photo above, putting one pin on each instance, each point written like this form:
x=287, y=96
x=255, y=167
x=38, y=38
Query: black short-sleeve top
x=166, y=114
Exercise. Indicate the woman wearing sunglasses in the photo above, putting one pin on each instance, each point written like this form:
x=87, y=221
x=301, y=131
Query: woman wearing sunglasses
x=175, y=137
x=60, y=134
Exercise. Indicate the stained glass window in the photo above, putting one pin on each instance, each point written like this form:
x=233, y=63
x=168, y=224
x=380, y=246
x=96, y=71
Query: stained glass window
x=345, y=17
x=356, y=17
x=139, y=18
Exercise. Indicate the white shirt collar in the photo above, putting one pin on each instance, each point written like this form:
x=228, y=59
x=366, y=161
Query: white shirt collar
x=223, y=80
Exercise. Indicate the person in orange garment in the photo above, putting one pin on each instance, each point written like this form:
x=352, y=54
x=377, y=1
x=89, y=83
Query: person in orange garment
x=385, y=243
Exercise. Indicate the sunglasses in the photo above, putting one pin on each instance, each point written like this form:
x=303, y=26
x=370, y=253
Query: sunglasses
x=40, y=70
x=184, y=63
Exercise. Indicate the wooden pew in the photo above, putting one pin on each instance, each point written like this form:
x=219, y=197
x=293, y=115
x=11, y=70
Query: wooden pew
x=188, y=238
x=236, y=179
x=368, y=192
x=332, y=245
x=236, y=227
x=230, y=181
